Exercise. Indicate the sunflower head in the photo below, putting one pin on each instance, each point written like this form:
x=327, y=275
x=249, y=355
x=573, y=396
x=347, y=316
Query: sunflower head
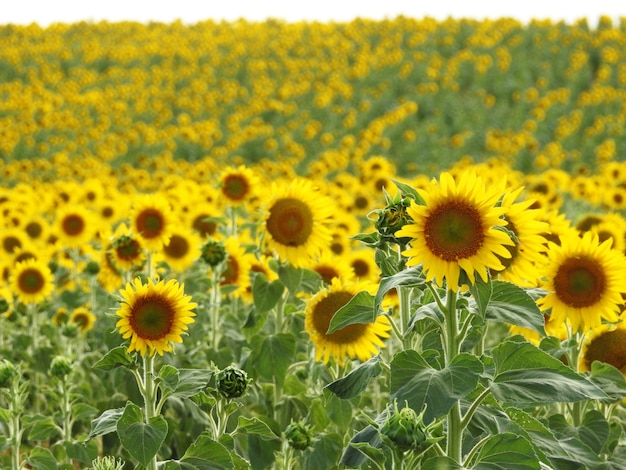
x=32, y=281
x=154, y=315
x=606, y=343
x=152, y=219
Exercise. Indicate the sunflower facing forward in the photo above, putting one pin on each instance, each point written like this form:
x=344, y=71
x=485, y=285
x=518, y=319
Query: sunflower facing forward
x=357, y=341
x=457, y=230
x=297, y=221
x=585, y=280
x=154, y=315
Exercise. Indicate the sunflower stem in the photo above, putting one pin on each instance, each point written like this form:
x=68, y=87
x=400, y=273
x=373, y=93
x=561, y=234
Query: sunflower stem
x=452, y=346
x=214, y=306
x=404, y=295
x=149, y=397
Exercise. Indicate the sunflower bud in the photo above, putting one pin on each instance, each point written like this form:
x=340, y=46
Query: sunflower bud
x=404, y=428
x=392, y=218
x=70, y=330
x=107, y=463
x=4, y=305
x=213, y=253
x=92, y=268
x=232, y=382
x=7, y=373
x=60, y=367
x=298, y=436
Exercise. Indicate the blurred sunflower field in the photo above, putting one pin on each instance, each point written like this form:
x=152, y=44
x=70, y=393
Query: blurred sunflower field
x=394, y=244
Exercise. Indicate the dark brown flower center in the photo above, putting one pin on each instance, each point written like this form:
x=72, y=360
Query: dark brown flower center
x=454, y=231
x=73, y=224
x=324, y=311
x=608, y=347
x=177, y=247
x=151, y=317
x=579, y=282
x=203, y=225
x=360, y=267
x=231, y=271
x=150, y=223
x=11, y=243
x=33, y=229
x=31, y=281
x=290, y=222
x=235, y=187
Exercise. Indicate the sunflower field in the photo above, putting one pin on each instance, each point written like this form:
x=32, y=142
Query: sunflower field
x=394, y=244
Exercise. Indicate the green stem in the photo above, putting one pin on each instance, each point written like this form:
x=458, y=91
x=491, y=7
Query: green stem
x=149, y=397
x=214, y=307
x=474, y=406
x=67, y=410
x=452, y=347
x=15, y=428
x=404, y=296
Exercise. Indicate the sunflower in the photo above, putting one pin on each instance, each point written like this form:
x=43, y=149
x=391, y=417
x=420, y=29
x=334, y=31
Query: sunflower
x=152, y=220
x=297, y=221
x=528, y=251
x=364, y=265
x=605, y=343
x=75, y=226
x=237, y=266
x=83, y=318
x=330, y=266
x=182, y=249
x=457, y=230
x=154, y=315
x=11, y=240
x=584, y=280
x=357, y=341
x=125, y=249
x=238, y=185
x=32, y=281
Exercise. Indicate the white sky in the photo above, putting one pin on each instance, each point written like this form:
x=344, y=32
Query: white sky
x=45, y=12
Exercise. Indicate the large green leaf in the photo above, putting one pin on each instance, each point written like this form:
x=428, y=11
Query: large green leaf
x=506, y=451
x=609, y=379
x=184, y=383
x=360, y=309
x=298, y=280
x=412, y=276
x=254, y=425
x=413, y=379
x=41, y=428
x=481, y=294
x=105, y=423
x=203, y=454
x=511, y=304
x=593, y=432
x=42, y=459
x=527, y=376
x=357, y=380
x=142, y=440
x=272, y=355
x=266, y=294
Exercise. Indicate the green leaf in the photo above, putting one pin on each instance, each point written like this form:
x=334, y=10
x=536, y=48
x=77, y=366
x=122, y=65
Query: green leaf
x=609, y=379
x=359, y=309
x=511, y=304
x=527, y=376
x=42, y=459
x=413, y=379
x=81, y=452
x=191, y=382
x=266, y=294
x=41, y=428
x=273, y=355
x=298, y=280
x=375, y=454
x=207, y=454
x=105, y=423
x=409, y=191
x=594, y=430
x=142, y=440
x=82, y=411
x=116, y=357
x=506, y=451
x=410, y=277
x=369, y=239
x=5, y=415
x=357, y=380
x=481, y=293
x=168, y=377
x=255, y=425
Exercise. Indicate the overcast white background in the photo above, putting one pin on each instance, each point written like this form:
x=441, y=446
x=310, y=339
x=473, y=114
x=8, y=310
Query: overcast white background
x=45, y=12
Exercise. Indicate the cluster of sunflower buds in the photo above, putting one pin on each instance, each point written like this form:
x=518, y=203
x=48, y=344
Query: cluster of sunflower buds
x=405, y=430
x=60, y=367
x=298, y=435
x=232, y=382
x=7, y=373
x=213, y=253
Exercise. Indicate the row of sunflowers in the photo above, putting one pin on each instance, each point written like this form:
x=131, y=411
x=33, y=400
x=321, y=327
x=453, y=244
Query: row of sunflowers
x=267, y=245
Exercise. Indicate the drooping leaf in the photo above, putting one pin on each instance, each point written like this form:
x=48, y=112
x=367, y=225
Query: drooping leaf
x=254, y=425
x=266, y=294
x=41, y=428
x=142, y=440
x=413, y=379
x=357, y=380
x=42, y=459
x=511, y=304
x=481, y=294
x=410, y=277
x=191, y=382
x=116, y=357
x=272, y=355
x=105, y=423
x=527, y=376
x=609, y=379
x=359, y=309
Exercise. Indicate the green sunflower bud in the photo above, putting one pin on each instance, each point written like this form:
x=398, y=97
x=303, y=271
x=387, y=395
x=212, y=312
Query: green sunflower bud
x=213, y=253
x=392, y=218
x=70, y=330
x=7, y=373
x=107, y=463
x=4, y=305
x=404, y=428
x=298, y=436
x=232, y=382
x=92, y=268
x=60, y=367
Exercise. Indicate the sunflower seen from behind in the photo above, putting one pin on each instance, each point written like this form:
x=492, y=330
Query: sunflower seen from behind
x=585, y=280
x=357, y=341
x=154, y=315
x=297, y=219
x=459, y=228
